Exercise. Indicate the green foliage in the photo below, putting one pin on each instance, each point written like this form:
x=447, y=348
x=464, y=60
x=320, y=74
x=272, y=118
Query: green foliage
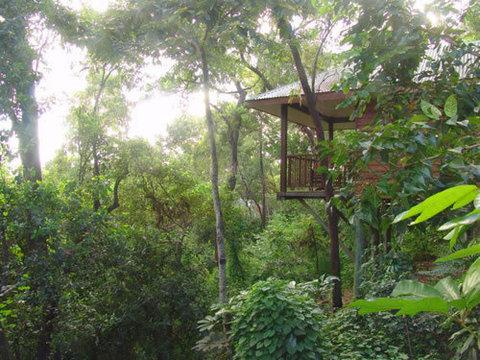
x=468, y=251
x=422, y=243
x=129, y=279
x=124, y=291
x=291, y=246
x=348, y=335
x=456, y=197
x=457, y=299
x=274, y=319
x=381, y=272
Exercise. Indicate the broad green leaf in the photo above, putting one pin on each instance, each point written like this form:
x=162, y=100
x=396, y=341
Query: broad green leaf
x=473, y=298
x=469, y=251
x=472, y=278
x=433, y=304
x=414, y=288
x=419, y=118
x=436, y=203
x=377, y=305
x=452, y=121
x=404, y=306
x=467, y=219
x=454, y=235
x=406, y=214
x=450, y=107
x=448, y=288
x=430, y=110
x=467, y=199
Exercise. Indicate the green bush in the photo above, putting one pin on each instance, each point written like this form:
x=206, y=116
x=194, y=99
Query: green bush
x=292, y=246
x=349, y=336
x=382, y=272
x=422, y=244
x=276, y=319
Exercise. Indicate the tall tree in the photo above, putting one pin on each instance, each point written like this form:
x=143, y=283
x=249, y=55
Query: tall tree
x=282, y=15
x=19, y=75
x=196, y=35
x=99, y=123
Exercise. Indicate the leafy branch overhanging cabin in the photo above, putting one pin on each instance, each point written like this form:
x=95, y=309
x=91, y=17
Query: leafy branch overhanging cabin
x=300, y=177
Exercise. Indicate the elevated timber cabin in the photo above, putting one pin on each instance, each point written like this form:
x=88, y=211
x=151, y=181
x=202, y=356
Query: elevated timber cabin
x=299, y=178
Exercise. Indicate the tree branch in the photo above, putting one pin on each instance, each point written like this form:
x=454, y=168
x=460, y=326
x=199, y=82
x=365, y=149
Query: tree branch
x=116, y=186
x=266, y=84
x=324, y=226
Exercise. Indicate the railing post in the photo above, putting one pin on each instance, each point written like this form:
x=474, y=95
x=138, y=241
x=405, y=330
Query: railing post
x=283, y=147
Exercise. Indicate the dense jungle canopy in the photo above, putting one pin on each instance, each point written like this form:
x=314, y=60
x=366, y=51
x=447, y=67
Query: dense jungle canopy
x=123, y=248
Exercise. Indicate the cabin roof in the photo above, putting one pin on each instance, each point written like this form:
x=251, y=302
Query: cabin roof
x=324, y=82
x=292, y=95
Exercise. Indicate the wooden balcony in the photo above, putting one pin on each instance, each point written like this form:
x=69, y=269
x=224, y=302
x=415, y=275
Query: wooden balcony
x=302, y=178
x=303, y=181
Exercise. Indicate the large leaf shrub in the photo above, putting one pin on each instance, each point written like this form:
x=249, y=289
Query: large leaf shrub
x=276, y=319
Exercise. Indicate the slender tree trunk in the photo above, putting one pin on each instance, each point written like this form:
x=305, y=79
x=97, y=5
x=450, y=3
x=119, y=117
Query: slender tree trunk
x=324, y=226
x=44, y=348
x=233, y=141
x=219, y=224
x=263, y=214
x=375, y=242
x=5, y=258
x=233, y=136
x=359, y=251
x=96, y=175
x=106, y=73
x=311, y=233
x=286, y=33
x=335, y=256
x=388, y=239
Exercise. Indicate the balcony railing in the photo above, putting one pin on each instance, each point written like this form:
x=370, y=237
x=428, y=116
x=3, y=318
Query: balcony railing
x=302, y=173
x=301, y=178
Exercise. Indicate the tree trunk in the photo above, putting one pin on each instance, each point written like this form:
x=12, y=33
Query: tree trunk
x=286, y=33
x=44, y=347
x=95, y=151
x=359, y=251
x=219, y=224
x=96, y=175
x=387, y=244
x=324, y=226
x=375, y=242
x=335, y=256
x=233, y=135
x=28, y=140
x=263, y=214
